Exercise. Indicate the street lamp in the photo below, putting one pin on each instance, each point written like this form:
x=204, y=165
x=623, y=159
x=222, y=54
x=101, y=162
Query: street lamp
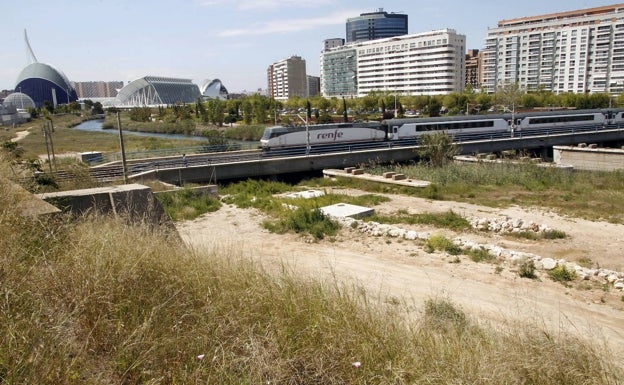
x=21, y=97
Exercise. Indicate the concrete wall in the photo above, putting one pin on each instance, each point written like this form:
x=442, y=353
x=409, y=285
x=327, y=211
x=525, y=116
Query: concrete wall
x=586, y=158
x=134, y=202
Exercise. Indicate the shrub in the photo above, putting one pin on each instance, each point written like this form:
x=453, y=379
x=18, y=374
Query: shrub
x=527, y=269
x=554, y=234
x=302, y=220
x=479, y=255
x=441, y=243
x=187, y=203
x=562, y=274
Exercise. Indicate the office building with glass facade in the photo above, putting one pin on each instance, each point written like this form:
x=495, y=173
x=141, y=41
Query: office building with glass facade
x=375, y=25
x=429, y=63
x=578, y=51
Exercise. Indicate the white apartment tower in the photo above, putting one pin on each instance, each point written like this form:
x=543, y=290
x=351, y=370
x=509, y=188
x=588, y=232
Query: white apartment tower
x=287, y=78
x=427, y=63
x=578, y=51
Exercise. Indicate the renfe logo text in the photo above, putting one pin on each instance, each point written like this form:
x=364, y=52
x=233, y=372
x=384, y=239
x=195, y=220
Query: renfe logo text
x=330, y=135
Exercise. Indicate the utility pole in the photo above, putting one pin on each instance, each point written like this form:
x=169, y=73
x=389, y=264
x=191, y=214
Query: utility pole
x=123, y=151
x=45, y=136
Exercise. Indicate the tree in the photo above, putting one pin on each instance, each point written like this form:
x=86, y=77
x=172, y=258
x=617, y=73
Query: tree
x=345, y=116
x=509, y=95
x=97, y=108
x=438, y=147
x=434, y=106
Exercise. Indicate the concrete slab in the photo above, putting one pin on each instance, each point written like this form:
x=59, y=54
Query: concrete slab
x=376, y=178
x=305, y=194
x=343, y=210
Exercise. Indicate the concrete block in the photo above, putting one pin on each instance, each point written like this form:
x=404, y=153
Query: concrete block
x=582, y=145
x=593, y=145
x=490, y=157
x=349, y=170
x=358, y=171
x=399, y=177
x=389, y=174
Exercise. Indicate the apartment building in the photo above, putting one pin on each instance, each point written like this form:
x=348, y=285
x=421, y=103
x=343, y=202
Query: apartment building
x=472, y=69
x=427, y=63
x=578, y=51
x=287, y=78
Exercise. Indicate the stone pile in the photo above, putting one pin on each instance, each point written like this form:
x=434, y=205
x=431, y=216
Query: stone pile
x=614, y=278
x=507, y=225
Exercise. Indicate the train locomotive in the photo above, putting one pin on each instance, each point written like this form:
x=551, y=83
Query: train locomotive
x=325, y=134
x=461, y=127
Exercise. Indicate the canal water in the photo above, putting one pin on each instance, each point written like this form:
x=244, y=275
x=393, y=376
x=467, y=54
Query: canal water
x=96, y=125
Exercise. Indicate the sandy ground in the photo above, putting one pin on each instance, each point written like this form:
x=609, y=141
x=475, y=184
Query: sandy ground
x=390, y=269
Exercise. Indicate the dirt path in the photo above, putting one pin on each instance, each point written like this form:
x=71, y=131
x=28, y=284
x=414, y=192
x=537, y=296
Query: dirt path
x=400, y=270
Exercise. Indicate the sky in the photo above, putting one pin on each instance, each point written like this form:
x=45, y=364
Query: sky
x=232, y=40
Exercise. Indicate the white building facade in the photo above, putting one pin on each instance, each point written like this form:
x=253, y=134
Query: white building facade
x=429, y=63
x=578, y=51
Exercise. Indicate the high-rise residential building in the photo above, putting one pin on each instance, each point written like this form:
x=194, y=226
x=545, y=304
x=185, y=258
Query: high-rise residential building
x=287, y=78
x=97, y=89
x=333, y=43
x=577, y=51
x=426, y=63
x=376, y=25
x=314, y=85
x=472, y=68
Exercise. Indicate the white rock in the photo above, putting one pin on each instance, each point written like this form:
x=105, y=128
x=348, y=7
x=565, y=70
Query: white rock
x=548, y=263
x=411, y=235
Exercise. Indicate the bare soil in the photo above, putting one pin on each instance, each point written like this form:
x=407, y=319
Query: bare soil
x=400, y=270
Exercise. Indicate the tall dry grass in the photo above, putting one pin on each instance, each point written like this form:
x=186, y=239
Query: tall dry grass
x=98, y=301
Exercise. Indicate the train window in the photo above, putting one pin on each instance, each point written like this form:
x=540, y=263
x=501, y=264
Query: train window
x=561, y=119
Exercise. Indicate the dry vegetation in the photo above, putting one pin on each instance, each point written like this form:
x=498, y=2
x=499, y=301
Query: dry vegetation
x=98, y=301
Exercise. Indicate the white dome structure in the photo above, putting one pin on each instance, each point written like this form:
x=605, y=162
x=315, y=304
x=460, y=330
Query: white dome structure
x=214, y=89
x=19, y=100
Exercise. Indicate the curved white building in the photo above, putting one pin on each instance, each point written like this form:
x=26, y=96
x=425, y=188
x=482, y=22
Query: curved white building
x=44, y=83
x=214, y=89
x=157, y=91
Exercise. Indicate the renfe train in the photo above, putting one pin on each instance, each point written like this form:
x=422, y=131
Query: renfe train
x=472, y=126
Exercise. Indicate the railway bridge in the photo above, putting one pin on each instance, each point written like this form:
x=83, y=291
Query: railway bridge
x=248, y=164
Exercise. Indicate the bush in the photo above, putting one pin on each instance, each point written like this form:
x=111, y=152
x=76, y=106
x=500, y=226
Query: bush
x=479, y=255
x=302, y=221
x=527, y=269
x=554, y=234
x=441, y=243
x=562, y=274
x=187, y=203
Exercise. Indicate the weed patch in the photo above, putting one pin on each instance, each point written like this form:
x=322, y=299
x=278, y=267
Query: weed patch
x=562, y=274
x=449, y=219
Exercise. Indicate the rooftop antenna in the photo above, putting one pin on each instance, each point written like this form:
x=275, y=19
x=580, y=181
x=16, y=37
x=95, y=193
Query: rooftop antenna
x=31, y=55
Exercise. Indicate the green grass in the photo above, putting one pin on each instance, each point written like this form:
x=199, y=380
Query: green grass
x=590, y=195
x=187, y=203
x=532, y=235
x=298, y=215
x=448, y=220
x=67, y=139
x=96, y=300
x=305, y=221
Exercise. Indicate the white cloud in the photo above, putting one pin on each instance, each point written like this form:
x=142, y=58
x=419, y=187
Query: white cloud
x=292, y=25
